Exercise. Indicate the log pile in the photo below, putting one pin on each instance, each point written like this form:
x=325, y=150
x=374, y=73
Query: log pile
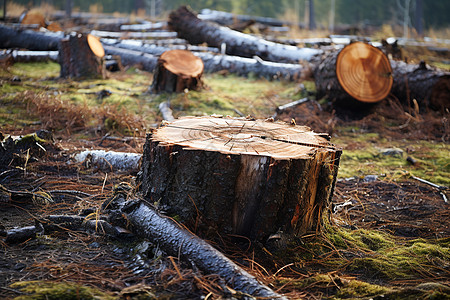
x=239, y=176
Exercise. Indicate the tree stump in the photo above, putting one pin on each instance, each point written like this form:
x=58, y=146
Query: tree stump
x=359, y=71
x=176, y=71
x=239, y=176
x=81, y=56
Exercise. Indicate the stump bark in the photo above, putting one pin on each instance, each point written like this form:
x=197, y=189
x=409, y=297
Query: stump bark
x=176, y=71
x=359, y=71
x=238, y=176
x=81, y=56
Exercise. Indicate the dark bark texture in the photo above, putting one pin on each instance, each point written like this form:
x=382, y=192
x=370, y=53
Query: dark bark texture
x=251, y=195
x=28, y=39
x=430, y=87
x=77, y=59
x=197, y=31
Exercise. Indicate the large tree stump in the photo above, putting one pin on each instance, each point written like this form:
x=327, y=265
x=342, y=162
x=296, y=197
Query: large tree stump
x=176, y=71
x=359, y=71
x=239, y=176
x=81, y=56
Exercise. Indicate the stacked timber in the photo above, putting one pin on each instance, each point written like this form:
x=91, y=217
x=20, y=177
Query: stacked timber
x=240, y=176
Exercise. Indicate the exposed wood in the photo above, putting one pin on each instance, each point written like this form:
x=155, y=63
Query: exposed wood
x=430, y=87
x=173, y=239
x=81, y=56
x=197, y=31
x=238, y=176
x=33, y=17
x=176, y=71
x=28, y=39
x=359, y=71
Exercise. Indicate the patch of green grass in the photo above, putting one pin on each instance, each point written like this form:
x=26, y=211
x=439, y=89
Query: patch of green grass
x=36, y=70
x=48, y=290
x=359, y=289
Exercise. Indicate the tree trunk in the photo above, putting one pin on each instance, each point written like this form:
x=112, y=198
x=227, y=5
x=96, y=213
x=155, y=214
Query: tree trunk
x=81, y=56
x=197, y=31
x=238, y=176
x=226, y=18
x=233, y=64
x=176, y=71
x=134, y=35
x=28, y=39
x=175, y=240
x=143, y=61
x=359, y=71
x=430, y=87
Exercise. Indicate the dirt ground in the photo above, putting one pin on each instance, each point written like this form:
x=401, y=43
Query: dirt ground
x=409, y=209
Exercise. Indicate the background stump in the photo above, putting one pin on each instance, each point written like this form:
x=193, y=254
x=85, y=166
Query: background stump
x=177, y=70
x=238, y=176
x=81, y=56
x=359, y=71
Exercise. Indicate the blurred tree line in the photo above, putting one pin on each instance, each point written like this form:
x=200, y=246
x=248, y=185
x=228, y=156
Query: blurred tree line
x=432, y=14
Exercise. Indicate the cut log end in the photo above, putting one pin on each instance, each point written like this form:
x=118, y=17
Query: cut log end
x=364, y=72
x=239, y=176
x=182, y=62
x=95, y=45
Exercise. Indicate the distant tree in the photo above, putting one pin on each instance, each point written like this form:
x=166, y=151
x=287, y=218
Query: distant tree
x=419, y=17
x=312, y=19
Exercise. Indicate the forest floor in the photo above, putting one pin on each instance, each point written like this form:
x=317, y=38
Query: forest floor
x=389, y=235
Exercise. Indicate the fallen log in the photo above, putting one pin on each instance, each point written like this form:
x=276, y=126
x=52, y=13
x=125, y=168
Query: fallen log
x=143, y=26
x=359, y=71
x=197, y=31
x=176, y=71
x=166, y=112
x=28, y=39
x=81, y=56
x=109, y=160
x=226, y=18
x=34, y=56
x=239, y=176
x=135, y=35
x=173, y=239
x=430, y=87
x=144, y=61
x=212, y=62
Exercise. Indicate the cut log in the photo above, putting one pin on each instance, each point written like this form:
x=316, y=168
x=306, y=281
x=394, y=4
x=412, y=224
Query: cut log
x=34, y=56
x=215, y=62
x=359, y=71
x=135, y=35
x=226, y=18
x=176, y=71
x=430, y=87
x=174, y=240
x=81, y=56
x=238, y=176
x=197, y=31
x=28, y=39
x=143, y=61
x=33, y=17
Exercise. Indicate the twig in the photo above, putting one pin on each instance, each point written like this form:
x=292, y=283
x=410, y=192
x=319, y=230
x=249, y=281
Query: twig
x=439, y=187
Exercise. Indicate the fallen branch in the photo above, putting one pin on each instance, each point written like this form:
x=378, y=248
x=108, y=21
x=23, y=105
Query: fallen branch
x=177, y=241
x=164, y=108
x=110, y=160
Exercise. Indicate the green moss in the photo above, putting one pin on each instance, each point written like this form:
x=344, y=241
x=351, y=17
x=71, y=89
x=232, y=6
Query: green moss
x=47, y=290
x=36, y=70
x=360, y=289
x=7, y=88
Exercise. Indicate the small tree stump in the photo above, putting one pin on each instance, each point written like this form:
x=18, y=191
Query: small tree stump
x=238, y=176
x=176, y=71
x=81, y=56
x=359, y=71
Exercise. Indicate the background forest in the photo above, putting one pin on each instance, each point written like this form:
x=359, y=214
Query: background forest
x=433, y=14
